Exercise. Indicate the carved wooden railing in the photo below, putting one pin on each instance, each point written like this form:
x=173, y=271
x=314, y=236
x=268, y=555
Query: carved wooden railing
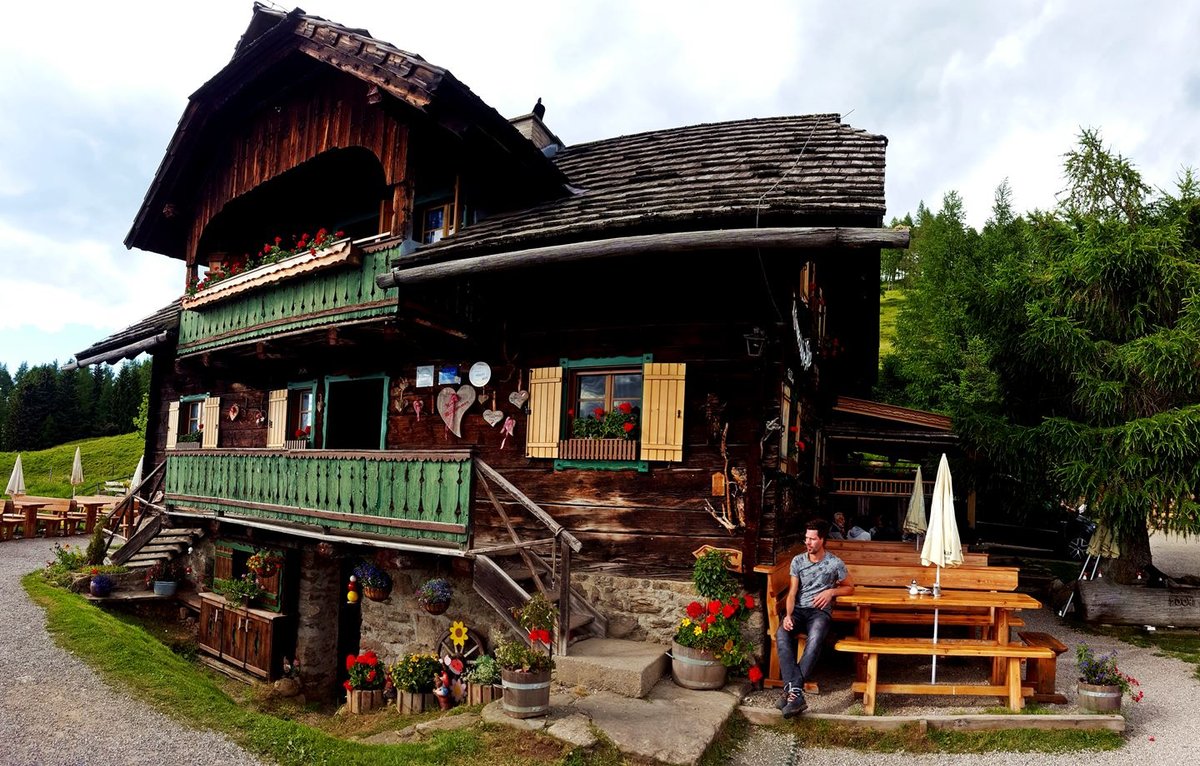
x=138, y=516
x=863, y=485
x=547, y=559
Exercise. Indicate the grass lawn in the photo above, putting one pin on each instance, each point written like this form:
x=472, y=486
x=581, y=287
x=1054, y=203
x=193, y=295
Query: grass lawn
x=48, y=471
x=889, y=308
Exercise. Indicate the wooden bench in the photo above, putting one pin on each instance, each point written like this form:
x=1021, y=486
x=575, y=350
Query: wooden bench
x=1041, y=673
x=885, y=575
x=1011, y=690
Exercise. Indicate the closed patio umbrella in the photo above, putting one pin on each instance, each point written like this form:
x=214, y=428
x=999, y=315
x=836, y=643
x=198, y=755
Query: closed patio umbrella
x=76, y=472
x=942, y=548
x=16, y=482
x=914, y=520
x=137, y=475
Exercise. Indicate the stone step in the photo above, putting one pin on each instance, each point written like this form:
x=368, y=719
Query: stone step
x=628, y=668
x=158, y=547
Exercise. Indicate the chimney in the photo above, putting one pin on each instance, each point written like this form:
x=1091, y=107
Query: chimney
x=531, y=126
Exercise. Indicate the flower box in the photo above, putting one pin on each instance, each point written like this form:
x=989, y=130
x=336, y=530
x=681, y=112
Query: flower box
x=294, y=444
x=364, y=700
x=411, y=703
x=187, y=445
x=598, y=449
x=339, y=253
x=482, y=694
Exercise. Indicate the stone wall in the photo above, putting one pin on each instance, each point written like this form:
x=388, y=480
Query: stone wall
x=400, y=626
x=320, y=598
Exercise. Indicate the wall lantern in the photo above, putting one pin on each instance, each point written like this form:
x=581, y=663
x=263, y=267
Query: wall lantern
x=756, y=341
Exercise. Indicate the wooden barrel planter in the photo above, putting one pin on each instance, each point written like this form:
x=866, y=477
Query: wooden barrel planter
x=696, y=668
x=1099, y=699
x=410, y=703
x=364, y=700
x=526, y=695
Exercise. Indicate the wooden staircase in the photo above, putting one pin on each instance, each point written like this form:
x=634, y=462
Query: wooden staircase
x=167, y=544
x=506, y=576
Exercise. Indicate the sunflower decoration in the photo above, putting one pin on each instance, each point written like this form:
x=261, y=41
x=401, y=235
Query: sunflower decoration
x=458, y=634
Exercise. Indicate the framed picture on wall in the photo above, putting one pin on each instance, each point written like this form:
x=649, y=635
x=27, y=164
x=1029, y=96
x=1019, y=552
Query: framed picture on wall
x=424, y=376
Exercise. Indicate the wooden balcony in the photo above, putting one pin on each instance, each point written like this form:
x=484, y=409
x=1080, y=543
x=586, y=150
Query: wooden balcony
x=872, y=487
x=420, y=495
x=344, y=294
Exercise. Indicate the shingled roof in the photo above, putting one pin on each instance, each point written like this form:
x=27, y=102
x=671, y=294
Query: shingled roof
x=133, y=340
x=778, y=169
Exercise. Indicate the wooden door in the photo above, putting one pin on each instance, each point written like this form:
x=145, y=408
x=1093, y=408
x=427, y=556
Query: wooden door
x=257, y=635
x=233, y=637
x=210, y=626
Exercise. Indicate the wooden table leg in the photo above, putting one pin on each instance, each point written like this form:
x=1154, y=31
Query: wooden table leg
x=1015, y=700
x=30, y=530
x=871, y=680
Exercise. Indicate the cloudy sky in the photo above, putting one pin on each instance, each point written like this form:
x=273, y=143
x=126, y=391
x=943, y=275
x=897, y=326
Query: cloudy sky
x=968, y=94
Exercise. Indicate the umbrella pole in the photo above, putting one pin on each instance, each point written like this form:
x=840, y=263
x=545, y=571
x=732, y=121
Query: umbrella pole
x=938, y=580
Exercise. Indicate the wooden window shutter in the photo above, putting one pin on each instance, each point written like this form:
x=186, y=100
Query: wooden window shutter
x=277, y=418
x=211, y=420
x=222, y=561
x=172, y=424
x=545, y=412
x=662, y=411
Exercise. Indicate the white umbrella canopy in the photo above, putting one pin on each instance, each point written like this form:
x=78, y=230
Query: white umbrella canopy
x=76, y=472
x=914, y=520
x=942, y=548
x=16, y=482
x=137, y=475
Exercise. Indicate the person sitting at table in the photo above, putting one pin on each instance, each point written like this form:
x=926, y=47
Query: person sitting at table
x=837, y=529
x=818, y=577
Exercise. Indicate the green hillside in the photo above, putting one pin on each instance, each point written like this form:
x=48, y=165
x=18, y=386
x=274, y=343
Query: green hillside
x=889, y=308
x=48, y=471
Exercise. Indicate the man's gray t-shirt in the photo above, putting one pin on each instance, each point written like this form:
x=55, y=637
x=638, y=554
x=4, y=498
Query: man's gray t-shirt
x=816, y=577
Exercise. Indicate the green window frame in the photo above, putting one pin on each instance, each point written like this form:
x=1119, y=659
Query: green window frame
x=382, y=405
x=571, y=369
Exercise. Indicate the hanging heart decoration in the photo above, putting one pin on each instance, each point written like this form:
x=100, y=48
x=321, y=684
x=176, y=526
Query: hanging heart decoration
x=452, y=405
x=507, y=429
x=518, y=398
x=492, y=417
x=418, y=405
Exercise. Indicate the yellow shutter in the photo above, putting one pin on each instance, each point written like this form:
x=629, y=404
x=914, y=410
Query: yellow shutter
x=662, y=411
x=277, y=418
x=172, y=424
x=545, y=412
x=211, y=419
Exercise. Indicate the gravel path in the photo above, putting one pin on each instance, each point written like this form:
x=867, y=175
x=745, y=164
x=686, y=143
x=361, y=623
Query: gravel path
x=1162, y=730
x=55, y=711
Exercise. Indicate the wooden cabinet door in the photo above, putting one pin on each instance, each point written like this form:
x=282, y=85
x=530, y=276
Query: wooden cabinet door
x=210, y=626
x=233, y=637
x=258, y=645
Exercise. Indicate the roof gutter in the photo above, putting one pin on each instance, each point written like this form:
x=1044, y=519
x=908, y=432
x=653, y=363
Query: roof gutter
x=672, y=242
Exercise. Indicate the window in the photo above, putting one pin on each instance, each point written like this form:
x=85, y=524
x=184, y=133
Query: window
x=193, y=421
x=437, y=221
x=598, y=393
x=191, y=418
x=302, y=408
x=355, y=410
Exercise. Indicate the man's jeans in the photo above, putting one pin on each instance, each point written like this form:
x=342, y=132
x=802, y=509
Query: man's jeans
x=815, y=624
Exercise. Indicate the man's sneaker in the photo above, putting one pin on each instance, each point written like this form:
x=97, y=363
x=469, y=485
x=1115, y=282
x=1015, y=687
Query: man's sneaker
x=785, y=697
x=796, y=704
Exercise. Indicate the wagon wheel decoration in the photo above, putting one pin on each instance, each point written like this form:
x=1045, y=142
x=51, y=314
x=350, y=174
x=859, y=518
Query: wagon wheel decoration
x=472, y=649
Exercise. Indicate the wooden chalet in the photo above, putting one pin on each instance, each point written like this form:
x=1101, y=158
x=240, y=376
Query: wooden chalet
x=719, y=282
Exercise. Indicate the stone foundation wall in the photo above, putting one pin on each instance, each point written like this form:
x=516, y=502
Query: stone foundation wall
x=320, y=598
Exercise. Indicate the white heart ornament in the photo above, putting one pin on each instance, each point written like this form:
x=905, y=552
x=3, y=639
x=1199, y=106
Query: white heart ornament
x=492, y=417
x=518, y=398
x=452, y=405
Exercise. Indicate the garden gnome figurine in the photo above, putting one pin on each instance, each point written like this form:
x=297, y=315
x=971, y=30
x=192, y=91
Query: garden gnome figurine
x=441, y=687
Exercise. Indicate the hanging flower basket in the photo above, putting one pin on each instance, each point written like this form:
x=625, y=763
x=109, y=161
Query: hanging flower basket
x=437, y=607
x=375, y=593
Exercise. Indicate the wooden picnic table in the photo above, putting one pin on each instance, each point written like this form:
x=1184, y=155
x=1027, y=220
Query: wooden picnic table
x=29, y=506
x=1005, y=679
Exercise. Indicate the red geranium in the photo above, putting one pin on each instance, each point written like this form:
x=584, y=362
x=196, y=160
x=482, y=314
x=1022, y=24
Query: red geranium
x=695, y=609
x=628, y=427
x=350, y=660
x=710, y=619
x=754, y=674
x=598, y=412
x=625, y=407
x=728, y=611
x=714, y=606
x=749, y=602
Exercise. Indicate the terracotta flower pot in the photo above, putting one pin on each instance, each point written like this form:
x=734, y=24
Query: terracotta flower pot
x=376, y=594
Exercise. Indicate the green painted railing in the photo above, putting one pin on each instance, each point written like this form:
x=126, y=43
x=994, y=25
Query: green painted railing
x=322, y=298
x=422, y=495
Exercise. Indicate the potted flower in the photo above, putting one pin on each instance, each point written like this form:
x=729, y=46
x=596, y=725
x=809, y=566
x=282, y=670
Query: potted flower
x=264, y=563
x=525, y=665
x=164, y=576
x=708, y=641
x=603, y=435
x=364, y=686
x=376, y=583
x=100, y=585
x=414, y=677
x=239, y=591
x=434, y=595
x=1101, y=683
x=483, y=681
x=190, y=440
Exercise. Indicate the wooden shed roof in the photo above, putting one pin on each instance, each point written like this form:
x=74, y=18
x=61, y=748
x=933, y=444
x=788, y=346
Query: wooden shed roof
x=771, y=171
x=273, y=36
x=133, y=340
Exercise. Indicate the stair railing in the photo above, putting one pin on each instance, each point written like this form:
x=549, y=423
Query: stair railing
x=551, y=572
x=132, y=512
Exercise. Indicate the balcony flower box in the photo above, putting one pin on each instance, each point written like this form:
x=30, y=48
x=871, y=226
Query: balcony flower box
x=598, y=449
x=341, y=252
x=293, y=444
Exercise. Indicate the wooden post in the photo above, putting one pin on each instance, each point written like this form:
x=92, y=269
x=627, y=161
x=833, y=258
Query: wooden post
x=564, y=599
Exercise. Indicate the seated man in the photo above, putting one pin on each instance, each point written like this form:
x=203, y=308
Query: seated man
x=818, y=577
